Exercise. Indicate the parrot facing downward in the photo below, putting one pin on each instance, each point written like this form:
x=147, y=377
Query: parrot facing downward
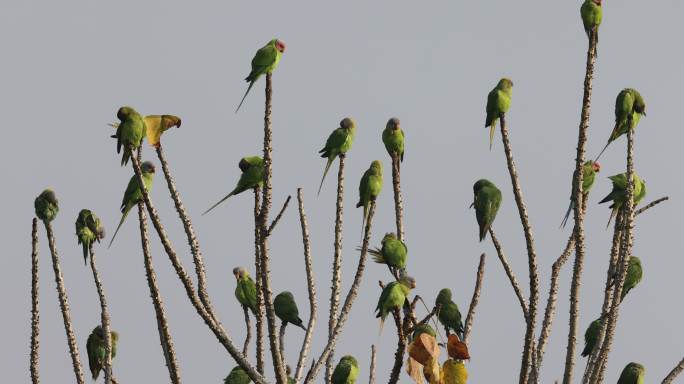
x=346, y=371
x=95, y=346
x=286, y=309
x=338, y=143
x=265, y=61
x=245, y=290
x=619, y=193
x=589, y=170
x=155, y=125
x=393, y=138
x=498, y=102
x=591, y=337
x=591, y=13
x=369, y=188
x=129, y=132
x=46, y=205
x=632, y=374
x=629, y=107
x=633, y=278
x=134, y=193
x=237, y=376
x=393, y=296
x=252, y=168
x=89, y=228
x=449, y=315
x=393, y=252
x=487, y=201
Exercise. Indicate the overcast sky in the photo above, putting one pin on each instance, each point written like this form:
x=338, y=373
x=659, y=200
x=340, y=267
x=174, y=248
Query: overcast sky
x=67, y=66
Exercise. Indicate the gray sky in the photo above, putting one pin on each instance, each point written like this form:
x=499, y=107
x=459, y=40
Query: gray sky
x=67, y=66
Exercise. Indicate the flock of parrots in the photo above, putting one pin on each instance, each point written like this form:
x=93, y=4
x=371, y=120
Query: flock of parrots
x=133, y=128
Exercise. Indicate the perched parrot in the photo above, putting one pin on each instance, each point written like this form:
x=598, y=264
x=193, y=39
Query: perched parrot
x=619, y=193
x=590, y=169
x=237, y=376
x=134, y=193
x=498, y=102
x=449, y=315
x=393, y=137
x=632, y=374
x=245, y=290
x=393, y=296
x=633, y=278
x=129, y=132
x=338, y=143
x=95, y=346
x=591, y=13
x=393, y=252
x=252, y=168
x=46, y=205
x=89, y=228
x=369, y=189
x=629, y=107
x=265, y=61
x=487, y=201
x=423, y=328
x=286, y=309
x=158, y=124
x=591, y=337
x=346, y=371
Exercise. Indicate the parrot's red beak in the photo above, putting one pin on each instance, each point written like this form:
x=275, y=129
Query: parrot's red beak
x=280, y=46
x=597, y=166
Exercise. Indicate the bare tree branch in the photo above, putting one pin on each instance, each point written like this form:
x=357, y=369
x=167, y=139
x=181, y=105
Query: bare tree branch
x=398, y=200
x=475, y=300
x=261, y=309
x=401, y=347
x=371, y=377
x=35, y=313
x=674, y=373
x=311, y=284
x=651, y=205
x=510, y=274
x=279, y=216
x=283, y=326
x=248, y=331
x=104, y=318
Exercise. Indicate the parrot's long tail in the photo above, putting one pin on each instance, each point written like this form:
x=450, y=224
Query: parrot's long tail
x=492, y=128
x=364, y=220
x=123, y=218
x=567, y=214
x=376, y=254
x=612, y=214
x=85, y=254
x=325, y=173
x=603, y=150
x=219, y=202
x=251, y=83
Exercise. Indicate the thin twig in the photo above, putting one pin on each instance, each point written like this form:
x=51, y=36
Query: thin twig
x=578, y=198
x=261, y=309
x=401, y=348
x=398, y=200
x=337, y=265
x=476, y=299
x=348, y=301
x=531, y=253
x=651, y=205
x=165, y=339
x=35, y=314
x=510, y=274
x=371, y=376
x=311, y=284
x=104, y=318
x=248, y=331
x=279, y=216
x=64, y=306
x=674, y=372
x=216, y=328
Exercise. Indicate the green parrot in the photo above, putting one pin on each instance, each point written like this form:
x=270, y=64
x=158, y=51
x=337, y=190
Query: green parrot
x=286, y=309
x=369, y=189
x=591, y=13
x=633, y=278
x=487, y=201
x=423, y=328
x=632, y=374
x=237, y=376
x=498, y=102
x=134, y=193
x=95, y=346
x=393, y=296
x=89, y=228
x=252, y=176
x=346, y=371
x=590, y=169
x=619, y=193
x=46, y=205
x=591, y=337
x=338, y=143
x=265, y=61
x=245, y=290
x=393, y=137
x=393, y=252
x=129, y=132
x=629, y=107
x=449, y=315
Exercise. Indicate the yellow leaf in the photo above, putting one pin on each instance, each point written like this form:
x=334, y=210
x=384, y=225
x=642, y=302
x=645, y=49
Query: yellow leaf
x=423, y=348
x=156, y=125
x=454, y=372
x=415, y=370
x=457, y=349
x=431, y=371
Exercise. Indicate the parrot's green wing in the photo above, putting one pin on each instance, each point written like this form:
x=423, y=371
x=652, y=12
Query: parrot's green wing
x=634, y=275
x=46, y=205
x=264, y=61
x=487, y=203
x=346, y=371
x=338, y=142
x=591, y=337
x=450, y=317
x=237, y=376
x=634, y=373
x=246, y=293
x=286, y=309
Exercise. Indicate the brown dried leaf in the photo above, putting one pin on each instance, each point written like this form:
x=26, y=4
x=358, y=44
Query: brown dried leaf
x=415, y=370
x=431, y=371
x=423, y=348
x=457, y=349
